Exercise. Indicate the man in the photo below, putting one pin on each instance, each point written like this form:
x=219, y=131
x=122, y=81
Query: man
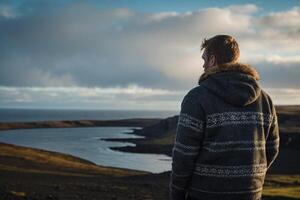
x=227, y=134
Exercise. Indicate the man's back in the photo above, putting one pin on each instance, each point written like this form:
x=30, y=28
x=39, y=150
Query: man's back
x=227, y=137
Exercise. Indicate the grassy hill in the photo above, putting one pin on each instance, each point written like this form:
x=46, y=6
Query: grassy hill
x=31, y=174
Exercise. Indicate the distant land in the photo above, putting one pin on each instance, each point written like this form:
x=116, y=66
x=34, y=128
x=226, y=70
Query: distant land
x=28, y=173
x=137, y=122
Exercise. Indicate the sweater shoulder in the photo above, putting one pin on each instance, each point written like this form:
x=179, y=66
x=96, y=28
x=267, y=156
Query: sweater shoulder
x=195, y=97
x=196, y=92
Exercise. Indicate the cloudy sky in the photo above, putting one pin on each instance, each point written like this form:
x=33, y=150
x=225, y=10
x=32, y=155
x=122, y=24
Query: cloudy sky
x=137, y=54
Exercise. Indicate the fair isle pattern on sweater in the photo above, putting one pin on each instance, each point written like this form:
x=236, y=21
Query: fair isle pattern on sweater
x=231, y=171
x=239, y=145
x=188, y=121
x=234, y=118
x=186, y=149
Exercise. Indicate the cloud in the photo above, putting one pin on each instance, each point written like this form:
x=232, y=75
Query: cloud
x=276, y=32
x=81, y=45
x=284, y=96
x=130, y=97
x=7, y=12
x=95, y=47
x=243, y=9
x=284, y=20
x=278, y=73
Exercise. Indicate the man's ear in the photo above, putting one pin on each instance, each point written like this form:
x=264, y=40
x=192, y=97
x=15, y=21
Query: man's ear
x=212, y=60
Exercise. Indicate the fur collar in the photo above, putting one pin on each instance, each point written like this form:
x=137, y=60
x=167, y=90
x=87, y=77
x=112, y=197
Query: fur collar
x=247, y=69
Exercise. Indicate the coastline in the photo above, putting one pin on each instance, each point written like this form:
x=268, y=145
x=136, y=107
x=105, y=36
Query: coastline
x=134, y=122
x=31, y=174
x=40, y=174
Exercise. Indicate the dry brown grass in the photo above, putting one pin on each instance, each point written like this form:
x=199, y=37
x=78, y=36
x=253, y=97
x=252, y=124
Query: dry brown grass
x=31, y=159
x=282, y=186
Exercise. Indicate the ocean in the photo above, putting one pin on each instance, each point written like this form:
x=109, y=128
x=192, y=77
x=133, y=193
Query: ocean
x=85, y=142
x=28, y=115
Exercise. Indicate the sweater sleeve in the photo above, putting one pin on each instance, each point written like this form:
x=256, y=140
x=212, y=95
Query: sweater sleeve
x=189, y=135
x=272, y=143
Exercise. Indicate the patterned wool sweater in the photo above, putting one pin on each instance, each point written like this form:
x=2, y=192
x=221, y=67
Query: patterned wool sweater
x=227, y=137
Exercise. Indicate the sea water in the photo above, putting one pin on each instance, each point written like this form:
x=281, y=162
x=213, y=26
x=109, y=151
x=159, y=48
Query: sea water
x=87, y=143
x=31, y=115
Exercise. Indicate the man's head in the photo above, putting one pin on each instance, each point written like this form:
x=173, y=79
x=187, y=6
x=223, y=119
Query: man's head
x=218, y=50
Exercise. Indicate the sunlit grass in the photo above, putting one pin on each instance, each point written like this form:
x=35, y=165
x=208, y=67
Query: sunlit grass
x=290, y=192
x=64, y=163
x=282, y=186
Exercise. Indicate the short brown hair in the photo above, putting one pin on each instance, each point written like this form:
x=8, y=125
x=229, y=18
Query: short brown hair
x=223, y=47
